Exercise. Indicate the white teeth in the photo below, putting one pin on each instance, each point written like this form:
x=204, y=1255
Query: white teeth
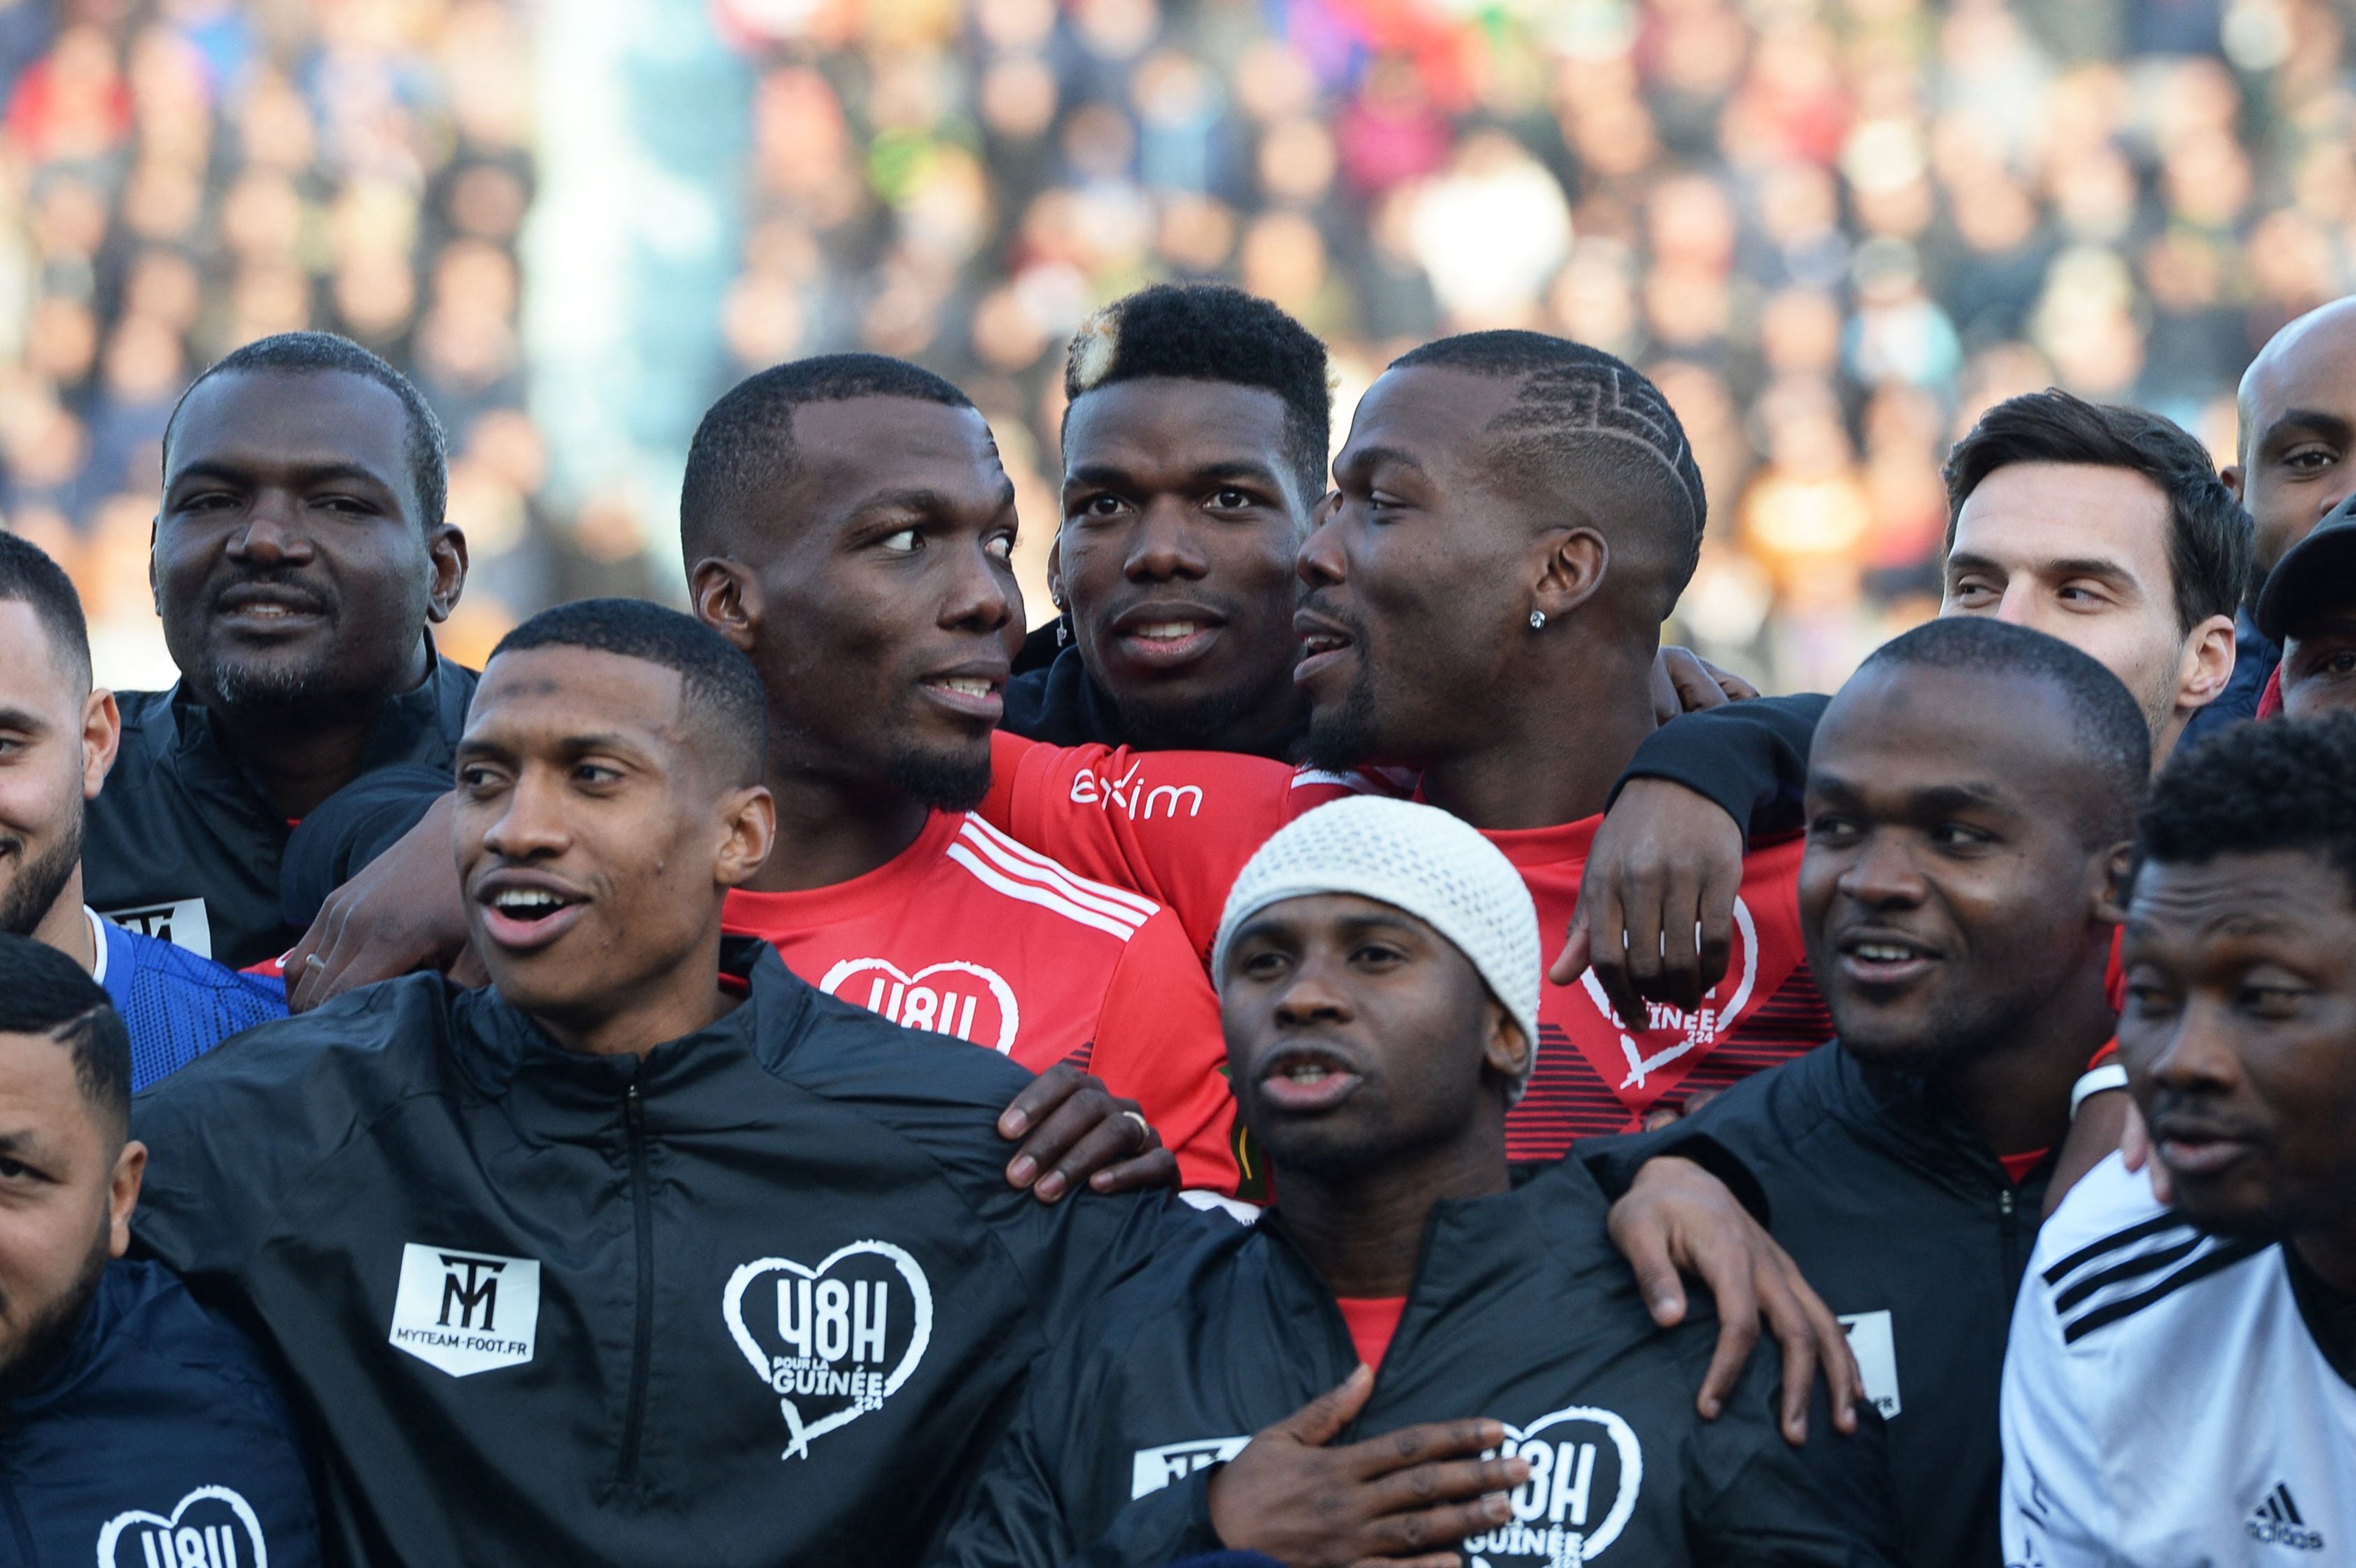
x=1882, y=952
x=1306, y=1072
x=1323, y=645
x=1167, y=630
x=964, y=686
x=526, y=901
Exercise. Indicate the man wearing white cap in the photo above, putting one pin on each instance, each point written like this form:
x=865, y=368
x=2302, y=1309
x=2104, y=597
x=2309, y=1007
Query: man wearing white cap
x=1409, y=1352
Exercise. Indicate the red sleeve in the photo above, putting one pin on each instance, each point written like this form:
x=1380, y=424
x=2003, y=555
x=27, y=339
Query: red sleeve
x=2270, y=699
x=1174, y=826
x=1159, y=1043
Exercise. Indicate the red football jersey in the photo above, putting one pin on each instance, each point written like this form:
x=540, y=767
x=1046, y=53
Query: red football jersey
x=967, y=933
x=1179, y=826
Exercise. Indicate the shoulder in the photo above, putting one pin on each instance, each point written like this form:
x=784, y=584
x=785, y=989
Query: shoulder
x=178, y=968
x=160, y=1336
x=2111, y=1255
x=149, y=728
x=1024, y=877
x=1776, y=1109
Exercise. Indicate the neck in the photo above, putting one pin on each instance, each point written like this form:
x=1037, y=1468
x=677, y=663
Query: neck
x=1362, y=1229
x=66, y=928
x=1551, y=743
x=2016, y=1093
x=2331, y=1255
x=1262, y=725
x=830, y=829
x=304, y=752
x=655, y=1010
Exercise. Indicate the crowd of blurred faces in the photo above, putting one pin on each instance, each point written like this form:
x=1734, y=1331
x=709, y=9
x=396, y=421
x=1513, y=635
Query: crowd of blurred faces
x=1832, y=232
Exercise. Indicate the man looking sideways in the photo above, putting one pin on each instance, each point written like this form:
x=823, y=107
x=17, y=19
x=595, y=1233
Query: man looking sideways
x=847, y=524
x=132, y=1413
x=2181, y=1382
x=300, y=555
x=58, y=736
x=634, y=1256
x=1969, y=803
x=1378, y=972
x=1194, y=443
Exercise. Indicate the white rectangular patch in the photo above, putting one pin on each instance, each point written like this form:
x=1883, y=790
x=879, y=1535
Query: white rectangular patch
x=1155, y=1468
x=466, y=1312
x=1876, y=1349
x=183, y=924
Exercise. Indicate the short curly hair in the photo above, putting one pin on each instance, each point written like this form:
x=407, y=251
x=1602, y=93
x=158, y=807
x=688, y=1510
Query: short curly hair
x=1210, y=332
x=2287, y=784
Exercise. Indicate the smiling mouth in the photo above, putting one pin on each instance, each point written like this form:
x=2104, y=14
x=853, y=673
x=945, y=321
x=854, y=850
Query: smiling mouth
x=965, y=686
x=528, y=905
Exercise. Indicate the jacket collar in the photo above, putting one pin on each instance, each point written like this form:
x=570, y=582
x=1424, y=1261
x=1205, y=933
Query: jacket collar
x=1910, y=1119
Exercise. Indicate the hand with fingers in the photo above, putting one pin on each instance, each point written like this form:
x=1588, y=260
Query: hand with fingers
x=1684, y=681
x=1676, y=1220
x=402, y=911
x=1656, y=915
x=1072, y=1130
x=1400, y=1499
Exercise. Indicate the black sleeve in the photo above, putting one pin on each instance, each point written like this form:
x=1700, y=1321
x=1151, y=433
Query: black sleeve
x=1750, y=758
x=1614, y=1161
x=348, y=829
x=1761, y=1503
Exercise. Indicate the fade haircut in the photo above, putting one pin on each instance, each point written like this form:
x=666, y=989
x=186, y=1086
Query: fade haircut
x=2111, y=731
x=1580, y=415
x=2208, y=534
x=317, y=353
x=1210, y=332
x=716, y=683
x=29, y=576
x=43, y=992
x=2286, y=784
x=744, y=455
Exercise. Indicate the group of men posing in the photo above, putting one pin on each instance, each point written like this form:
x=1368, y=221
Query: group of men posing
x=729, y=1222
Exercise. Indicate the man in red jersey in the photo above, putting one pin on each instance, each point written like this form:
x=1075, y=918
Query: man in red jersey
x=846, y=522
x=1515, y=515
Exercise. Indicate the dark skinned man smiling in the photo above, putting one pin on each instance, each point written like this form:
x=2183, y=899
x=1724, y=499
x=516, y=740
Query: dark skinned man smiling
x=300, y=556
x=645, y=1254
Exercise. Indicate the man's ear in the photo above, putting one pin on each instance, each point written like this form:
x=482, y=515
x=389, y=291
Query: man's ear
x=2234, y=478
x=1572, y=570
x=1508, y=1051
x=2109, y=874
x=750, y=817
x=101, y=734
x=727, y=597
x=1055, y=573
x=154, y=590
x=446, y=553
x=123, y=1196
x=2206, y=666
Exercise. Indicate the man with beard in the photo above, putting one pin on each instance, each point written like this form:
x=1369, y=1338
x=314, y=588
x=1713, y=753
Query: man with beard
x=57, y=739
x=847, y=524
x=1970, y=802
x=649, y=1252
x=1405, y=1311
x=135, y=1419
x=300, y=554
x=2180, y=1385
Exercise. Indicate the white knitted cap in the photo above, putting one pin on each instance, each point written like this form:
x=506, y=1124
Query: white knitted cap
x=1414, y=857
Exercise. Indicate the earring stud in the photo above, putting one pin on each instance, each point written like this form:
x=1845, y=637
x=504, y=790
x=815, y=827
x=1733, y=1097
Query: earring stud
x=1538, y=620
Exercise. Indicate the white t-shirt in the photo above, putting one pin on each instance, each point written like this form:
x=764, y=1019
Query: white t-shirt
x=2165, y=1404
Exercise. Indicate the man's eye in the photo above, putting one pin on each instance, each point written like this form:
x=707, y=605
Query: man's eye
x=1230, y=501
x=597, y=773
x=907, y=541
x=1375, y=955
x=2081, y=595
x=474, y=778
x=1001, y=547
x=1955, y=836
x=2342, y=663
x=2307, y=459
x=14, y=1169
x=1264, y=963
x=1833, y=827
x=1102, y=506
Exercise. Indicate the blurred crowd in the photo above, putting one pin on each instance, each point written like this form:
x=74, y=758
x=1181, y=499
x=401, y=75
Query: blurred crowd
x=1833, y=232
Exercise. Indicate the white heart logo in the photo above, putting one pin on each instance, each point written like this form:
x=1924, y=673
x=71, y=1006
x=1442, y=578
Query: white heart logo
x=171, y=1543
x=840, y=1331
x=1576, y=1473
x=906, y=1000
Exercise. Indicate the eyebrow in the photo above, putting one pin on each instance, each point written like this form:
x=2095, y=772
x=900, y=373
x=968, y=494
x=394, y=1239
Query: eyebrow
x=1226, y=468
x=27, y=1144
x=2295, y=421
x=570, y=745
x=1377, y=456
x=23, y=719
x=328, y=472
x=917, y=498
x=1931, y=799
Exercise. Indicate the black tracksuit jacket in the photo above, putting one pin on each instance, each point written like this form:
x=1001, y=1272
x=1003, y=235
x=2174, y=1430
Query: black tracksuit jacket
x=763, y=1297
x=1520, y=1311
x=184, y=833
x=1903, y=1221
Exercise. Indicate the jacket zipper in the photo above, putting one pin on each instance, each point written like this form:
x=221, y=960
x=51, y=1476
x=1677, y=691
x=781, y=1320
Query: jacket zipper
x=17, y=1521
x=633, y=1117
x=2004, y=1208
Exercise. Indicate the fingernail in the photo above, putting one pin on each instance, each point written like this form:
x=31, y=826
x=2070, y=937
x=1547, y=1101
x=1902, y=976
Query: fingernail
x=1052, y=1185
x=1013, y=1123
x=1709, y=1408
x=1495, y=1506
x=1024, y=1168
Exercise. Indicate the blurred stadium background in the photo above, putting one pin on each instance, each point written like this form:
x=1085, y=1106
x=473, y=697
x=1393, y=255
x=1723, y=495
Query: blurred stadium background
x=1833, y=232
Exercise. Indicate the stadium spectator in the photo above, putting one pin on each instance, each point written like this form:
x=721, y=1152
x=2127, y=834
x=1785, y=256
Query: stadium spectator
x=301, y=557
x=137, y=1419
x=2178, y=1383
x=1969, y=804
x=58, y=738
x=753, y=1285
x=1379, y=973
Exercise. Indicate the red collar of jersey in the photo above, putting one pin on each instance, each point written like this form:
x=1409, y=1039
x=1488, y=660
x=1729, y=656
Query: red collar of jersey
x=888, y=882
x=1528, y=847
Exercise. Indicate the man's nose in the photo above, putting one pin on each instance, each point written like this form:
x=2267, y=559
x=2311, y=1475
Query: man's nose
x=1163, y=546
x=270, y=534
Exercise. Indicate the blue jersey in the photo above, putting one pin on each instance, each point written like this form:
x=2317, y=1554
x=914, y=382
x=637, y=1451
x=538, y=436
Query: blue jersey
x=177, y=1004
